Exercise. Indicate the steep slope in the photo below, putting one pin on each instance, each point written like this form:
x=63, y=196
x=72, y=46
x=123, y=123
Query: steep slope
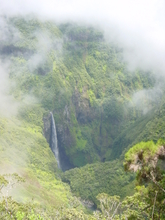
x=73, y=72
x=24, y=150
x=148, y=127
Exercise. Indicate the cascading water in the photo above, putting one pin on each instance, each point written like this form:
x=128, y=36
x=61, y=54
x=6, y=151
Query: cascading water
x=53, y=140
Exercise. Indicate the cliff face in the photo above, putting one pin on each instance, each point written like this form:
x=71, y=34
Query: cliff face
x=47, y=127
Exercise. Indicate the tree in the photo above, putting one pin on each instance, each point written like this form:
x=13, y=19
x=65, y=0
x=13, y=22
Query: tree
x=147, y=160
x=109, y=206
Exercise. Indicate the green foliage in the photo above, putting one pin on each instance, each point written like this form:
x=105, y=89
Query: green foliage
x=89, y=79
x=147, y=148
x=31, y=211
x=72, y=71
x=3, y=182
x=136, y=206
x=91, y=96
x=24, y=149
x=146, y=159
x=91, y=180
x=109, y=206
x=132, y=207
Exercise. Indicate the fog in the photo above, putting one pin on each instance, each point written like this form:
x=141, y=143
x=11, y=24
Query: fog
x=43, y=46
x=8, y=105
x=137, y=26
x=145, y=99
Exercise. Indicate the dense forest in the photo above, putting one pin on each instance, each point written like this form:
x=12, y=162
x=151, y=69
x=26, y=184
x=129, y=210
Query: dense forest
x=109, y=120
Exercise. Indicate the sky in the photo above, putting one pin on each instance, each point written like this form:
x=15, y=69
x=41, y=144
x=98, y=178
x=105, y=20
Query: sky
x=136, y=25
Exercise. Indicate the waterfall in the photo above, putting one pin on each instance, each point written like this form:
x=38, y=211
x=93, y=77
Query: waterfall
x=53, y=140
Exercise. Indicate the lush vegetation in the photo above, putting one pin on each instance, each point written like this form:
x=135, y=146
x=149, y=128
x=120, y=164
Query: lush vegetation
x=147, y=159
x=25, y=151
x=72, y=71
x=93, y=179
x=148, y=202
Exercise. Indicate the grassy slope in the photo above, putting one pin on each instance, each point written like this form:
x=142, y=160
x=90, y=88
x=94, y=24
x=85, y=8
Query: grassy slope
x=24, y=150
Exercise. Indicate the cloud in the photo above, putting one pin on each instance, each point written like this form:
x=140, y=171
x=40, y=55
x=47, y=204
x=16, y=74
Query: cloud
x=8, y=105
x=43, y=46
x=42, y=49
x=144, y=100
x=138, y=26
x=7, y=32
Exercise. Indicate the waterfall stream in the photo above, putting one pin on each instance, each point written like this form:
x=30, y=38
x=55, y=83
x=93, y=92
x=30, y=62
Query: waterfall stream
x=53, y=140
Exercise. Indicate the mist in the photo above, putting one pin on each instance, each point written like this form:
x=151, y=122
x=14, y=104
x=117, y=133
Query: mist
x=8, y=105
x=43, y=46
x=136, y=26
x=145, y=99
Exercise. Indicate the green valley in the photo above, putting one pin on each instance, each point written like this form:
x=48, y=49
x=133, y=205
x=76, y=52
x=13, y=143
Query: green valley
x=105, y=114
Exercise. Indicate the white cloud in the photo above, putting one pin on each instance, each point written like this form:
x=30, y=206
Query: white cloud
x=136, y=25
x=8, y=105
x=146, y=99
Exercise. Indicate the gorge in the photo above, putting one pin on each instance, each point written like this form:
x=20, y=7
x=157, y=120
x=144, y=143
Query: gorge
x=103, y=114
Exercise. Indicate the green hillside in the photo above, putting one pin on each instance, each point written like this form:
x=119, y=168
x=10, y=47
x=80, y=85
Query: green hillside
x=25, y=151
x=82, y=79
x=109, y=177
x=73, y=72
